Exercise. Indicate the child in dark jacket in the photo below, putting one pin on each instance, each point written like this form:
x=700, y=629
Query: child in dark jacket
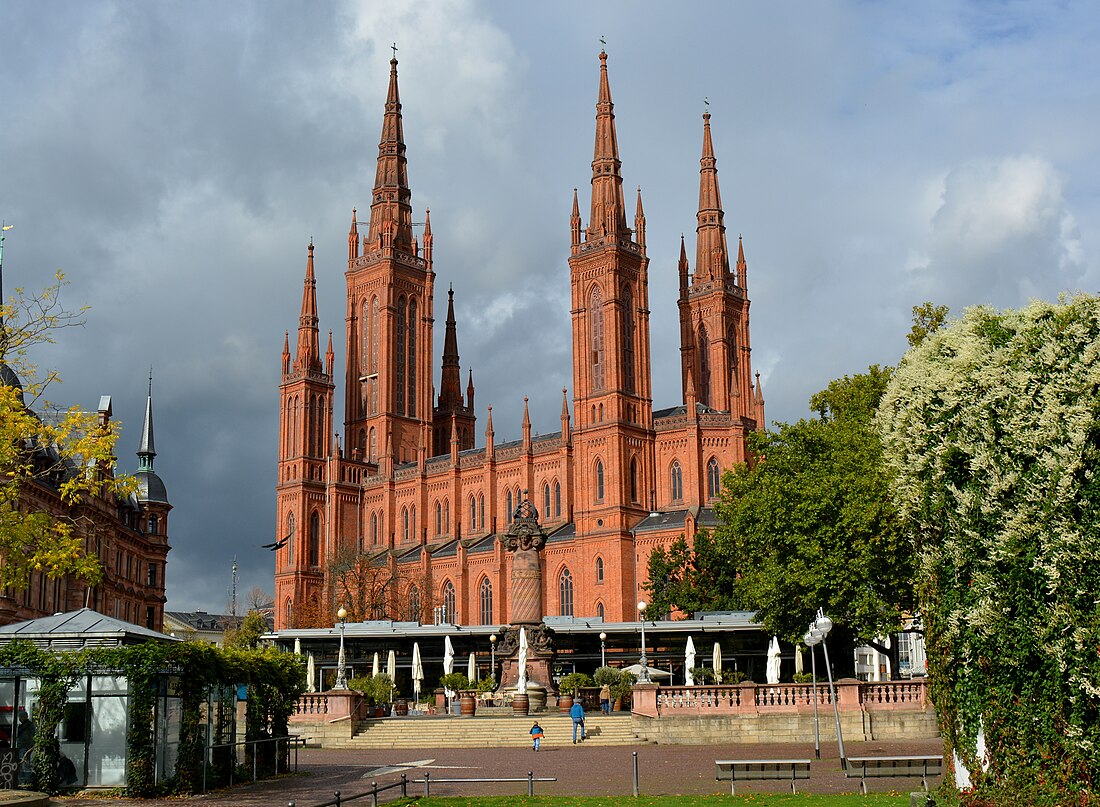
x=536, y=735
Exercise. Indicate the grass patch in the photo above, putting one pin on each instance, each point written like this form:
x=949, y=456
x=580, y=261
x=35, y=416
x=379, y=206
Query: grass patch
x=755, y=799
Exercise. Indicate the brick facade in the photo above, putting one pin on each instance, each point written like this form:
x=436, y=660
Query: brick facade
x=410, y=490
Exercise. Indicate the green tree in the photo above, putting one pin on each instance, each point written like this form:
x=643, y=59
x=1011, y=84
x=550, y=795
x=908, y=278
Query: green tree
x=811, y=524
x=991, y=428
x=689, y=579
x=927, y=319
x=247, y=636
x=51, y=459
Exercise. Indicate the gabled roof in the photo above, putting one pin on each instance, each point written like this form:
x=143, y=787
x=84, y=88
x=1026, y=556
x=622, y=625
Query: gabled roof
x=78, y=629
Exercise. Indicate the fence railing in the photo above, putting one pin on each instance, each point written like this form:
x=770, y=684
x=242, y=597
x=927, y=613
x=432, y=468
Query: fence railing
x=338, y=799
x=289, y=742
x=375, y=789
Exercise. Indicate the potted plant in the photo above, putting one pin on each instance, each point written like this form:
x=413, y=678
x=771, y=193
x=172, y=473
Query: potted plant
x=457, y=682
x=486, y=685
x=570, y=687
x=621, y=689
x=802, y=678
x=380, y=688
x=702, y=675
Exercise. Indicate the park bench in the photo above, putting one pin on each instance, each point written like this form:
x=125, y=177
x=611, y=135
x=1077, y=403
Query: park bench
x=740, y=770
x=873, y=767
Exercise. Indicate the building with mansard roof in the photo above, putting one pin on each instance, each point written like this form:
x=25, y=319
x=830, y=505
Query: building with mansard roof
x=419, y=495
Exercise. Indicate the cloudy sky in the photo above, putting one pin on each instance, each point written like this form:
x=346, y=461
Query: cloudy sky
x=174, y=159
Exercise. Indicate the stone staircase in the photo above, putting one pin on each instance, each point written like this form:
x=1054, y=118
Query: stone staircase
x=484, y=731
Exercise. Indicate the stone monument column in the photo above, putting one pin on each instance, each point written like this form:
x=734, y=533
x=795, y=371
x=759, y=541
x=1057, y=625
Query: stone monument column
x=524, y=541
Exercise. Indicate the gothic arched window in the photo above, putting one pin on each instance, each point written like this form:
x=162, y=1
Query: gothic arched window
x=438, y=518
x=595, y=337
x=288, y=612
x=402, y=354
x=599, y=480
x=485, y=596
x=373, y=456
x=314, y=539
x=374, y=528
x=633, y=479
x=546, y=499
x=565, y=593
x=449, y=615
x=628, y=341
x=404, y=524
x=472, y=507
x=557, y=499
x=508, y=507
x=677, y=481
x=411, y=403
x=702, y=347
x=599, y=570
x=714, y=478
x=481, y=511
x=414, y=612
x=290, y=538
x=599, y=610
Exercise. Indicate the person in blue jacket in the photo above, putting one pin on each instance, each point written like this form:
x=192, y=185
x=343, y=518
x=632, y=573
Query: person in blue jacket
x=536, y=735
x=576, y=711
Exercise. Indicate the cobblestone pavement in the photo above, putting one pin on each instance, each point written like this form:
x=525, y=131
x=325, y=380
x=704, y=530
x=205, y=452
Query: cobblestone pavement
x=580, y=770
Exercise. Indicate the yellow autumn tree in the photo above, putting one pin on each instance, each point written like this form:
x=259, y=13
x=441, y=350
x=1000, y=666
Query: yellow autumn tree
x=53, y=460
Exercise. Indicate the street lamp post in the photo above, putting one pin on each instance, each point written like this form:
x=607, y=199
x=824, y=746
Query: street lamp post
x=603, y=649
x=643, y=678
x=493, y=656
x=341, y=660
x=822, y=625
x=811, y=639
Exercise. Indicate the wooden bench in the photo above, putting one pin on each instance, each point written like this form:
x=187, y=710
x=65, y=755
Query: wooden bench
x=874, y=767
x=740, y=770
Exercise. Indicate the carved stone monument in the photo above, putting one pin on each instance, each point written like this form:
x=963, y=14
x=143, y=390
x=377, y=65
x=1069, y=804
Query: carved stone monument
x=525, y=539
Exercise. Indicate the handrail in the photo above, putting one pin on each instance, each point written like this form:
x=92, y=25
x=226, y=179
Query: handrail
x=291, y=740
x=373, y=793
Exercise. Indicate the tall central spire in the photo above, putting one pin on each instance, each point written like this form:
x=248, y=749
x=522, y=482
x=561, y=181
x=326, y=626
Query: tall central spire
x=145, y=451
x=450, y=392
x=309, y=353
x=391, y=212
x=711, y=255
x=608, y=209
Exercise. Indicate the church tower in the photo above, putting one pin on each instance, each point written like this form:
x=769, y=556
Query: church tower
x=613, y=408
x=714, y=306
x=306, y=395
x=451, y=411
x=390, y=286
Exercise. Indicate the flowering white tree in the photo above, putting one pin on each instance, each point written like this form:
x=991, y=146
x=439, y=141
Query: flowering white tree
x=991, y=431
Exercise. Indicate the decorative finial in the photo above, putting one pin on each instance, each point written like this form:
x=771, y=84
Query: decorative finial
x=603, y=44
x=150, y=381
x=393, y=47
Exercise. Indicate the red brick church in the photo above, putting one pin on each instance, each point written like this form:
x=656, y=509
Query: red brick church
x=408, y=489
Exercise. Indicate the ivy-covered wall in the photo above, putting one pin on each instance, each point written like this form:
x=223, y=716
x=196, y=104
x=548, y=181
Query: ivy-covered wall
x=275, y=680
x=991, y=429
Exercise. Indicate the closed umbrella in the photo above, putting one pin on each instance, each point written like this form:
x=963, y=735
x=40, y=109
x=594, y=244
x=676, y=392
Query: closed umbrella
x=311, y=674
x=521, y=684
x=798, y=666
x=471, y=669
x=716, y=662
x=417, y=671
x=391, y=666
x=448, y=656
x=375, y=668
x=689, y=662
x=297, y=647
x=772, y=669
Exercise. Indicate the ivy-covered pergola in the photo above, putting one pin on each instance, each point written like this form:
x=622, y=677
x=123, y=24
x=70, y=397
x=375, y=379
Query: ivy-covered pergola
x=137, y=709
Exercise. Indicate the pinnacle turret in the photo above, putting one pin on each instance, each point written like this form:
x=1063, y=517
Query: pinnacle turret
x=608, y=216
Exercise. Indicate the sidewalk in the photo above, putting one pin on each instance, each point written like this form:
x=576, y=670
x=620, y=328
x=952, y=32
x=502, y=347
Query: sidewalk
x=580, y=770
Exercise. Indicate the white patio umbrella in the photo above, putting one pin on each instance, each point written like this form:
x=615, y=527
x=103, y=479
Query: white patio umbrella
x=448, y=656
x=521, y=684
x=654, y=672
x=716, y=662
x=311, y=674
x=391, y=666
x=375, y=668
x=689, y=662
x=297, y=647
x=471, y=669
x=772, y=669
x=417, y=671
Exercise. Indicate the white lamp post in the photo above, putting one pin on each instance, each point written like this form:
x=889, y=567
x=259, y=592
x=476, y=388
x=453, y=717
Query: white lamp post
x=644, y=677
x=493, y=656
x=812, y=638
x=341, y=665
x=603, y=649
x=822, y=625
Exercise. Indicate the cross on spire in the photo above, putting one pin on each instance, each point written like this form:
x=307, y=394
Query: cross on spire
x=393, y=47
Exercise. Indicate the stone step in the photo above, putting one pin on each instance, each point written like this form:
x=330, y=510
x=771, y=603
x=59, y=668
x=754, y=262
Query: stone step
x=484, y=732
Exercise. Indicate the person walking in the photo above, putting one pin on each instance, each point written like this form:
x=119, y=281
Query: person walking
x=536, y=736
x=605, y=699
x=576, y=711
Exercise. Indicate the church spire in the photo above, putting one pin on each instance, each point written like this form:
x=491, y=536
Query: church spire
x=391, y=211
x=145, y=451
x=353, y=238
x=711, y=256
x=309, y=356
x=450, y=393
x=742, y=266
x=639, y=222
x=608, y=209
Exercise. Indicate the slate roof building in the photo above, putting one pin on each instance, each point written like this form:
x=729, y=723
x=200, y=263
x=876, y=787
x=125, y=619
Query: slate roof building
x=408, y=486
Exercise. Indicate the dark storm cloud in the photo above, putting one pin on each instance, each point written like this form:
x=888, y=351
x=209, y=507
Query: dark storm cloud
x=176, y=159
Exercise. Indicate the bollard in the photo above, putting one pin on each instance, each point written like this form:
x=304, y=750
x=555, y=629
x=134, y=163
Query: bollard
x=404, y=785
x=635, y=773
x=373, y=794
x=427, y=783
x=530, y=783
x=336, y=797
x=255, y=755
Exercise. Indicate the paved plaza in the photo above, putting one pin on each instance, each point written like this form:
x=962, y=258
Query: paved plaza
x=580, y=770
